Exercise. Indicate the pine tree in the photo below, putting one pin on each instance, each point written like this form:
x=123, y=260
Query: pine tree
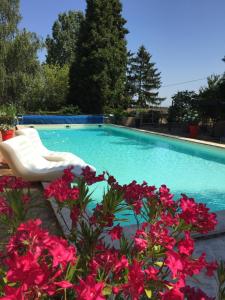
x=97, y=77
x=144, y=79
x=62, y=46
x=129, y=86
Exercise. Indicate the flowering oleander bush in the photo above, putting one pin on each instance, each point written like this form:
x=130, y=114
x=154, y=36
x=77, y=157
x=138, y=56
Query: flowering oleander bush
x=103, y=258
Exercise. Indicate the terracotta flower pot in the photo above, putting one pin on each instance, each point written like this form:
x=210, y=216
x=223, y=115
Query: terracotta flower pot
x=7, y=134
x=193, y=131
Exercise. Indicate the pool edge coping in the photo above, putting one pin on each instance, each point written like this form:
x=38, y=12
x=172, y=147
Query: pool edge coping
x=207, y=143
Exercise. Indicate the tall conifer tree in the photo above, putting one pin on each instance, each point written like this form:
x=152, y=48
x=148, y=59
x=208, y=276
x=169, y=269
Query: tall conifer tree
x=97, y=78
x=144, y=79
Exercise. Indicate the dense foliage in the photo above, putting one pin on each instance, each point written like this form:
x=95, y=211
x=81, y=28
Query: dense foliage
x=212, y=98
x=18, y=55
x=62, y=46
x=49, y=88
x=104, y=260
x=182, y=103
x=97, y=76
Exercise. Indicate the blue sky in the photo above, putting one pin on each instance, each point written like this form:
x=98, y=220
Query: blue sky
x=185, y=37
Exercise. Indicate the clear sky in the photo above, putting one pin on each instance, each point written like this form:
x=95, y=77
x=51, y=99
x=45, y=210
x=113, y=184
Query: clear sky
x=185, y=37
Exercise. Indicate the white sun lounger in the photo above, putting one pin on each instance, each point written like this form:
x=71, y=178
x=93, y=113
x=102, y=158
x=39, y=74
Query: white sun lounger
x=34, y=137
x=25, y=161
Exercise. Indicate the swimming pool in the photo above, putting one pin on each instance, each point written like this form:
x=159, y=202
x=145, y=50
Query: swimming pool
x=194, y=169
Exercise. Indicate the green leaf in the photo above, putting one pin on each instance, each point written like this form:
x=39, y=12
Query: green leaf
x=107, y=291
x=148, y=293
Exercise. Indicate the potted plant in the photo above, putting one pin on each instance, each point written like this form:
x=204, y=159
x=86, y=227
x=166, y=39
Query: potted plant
x=7, y=121
x=192, y=119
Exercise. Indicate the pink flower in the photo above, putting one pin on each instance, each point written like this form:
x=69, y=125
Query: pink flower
x=140, y=243
x=173, y=294
x=151, y=273
x=89, y=289
x=121, y=264
x=63, y=284
x=169, y=220
x=136, y=278
x=61, y=191
x=13, y=183
x=160, y=235
x=186, y=246
x=174, y=262
x=166, y=198
x=68, y=176
x=90, y=176
x=211, y=268
x=116, y=232
x=197, y=214
x=36, y=261
x=5, y=209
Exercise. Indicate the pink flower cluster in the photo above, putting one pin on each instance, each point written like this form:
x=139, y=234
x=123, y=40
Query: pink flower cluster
x=197, y=215
x=90, y=176
x=36, y=263
x=9, y=182
x=61, y=188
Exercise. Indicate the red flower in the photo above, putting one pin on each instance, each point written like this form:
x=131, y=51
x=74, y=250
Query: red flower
x=186, y=246
x=140, y=243
x=5, y=209
x=68, y=176
x=116, y=232
x=61, y=191
x=136, y=278
x=36, y=261
x=151, y=273
x=13, y=183
x=89, y=289
x=166, y=198
x=90, y=176
x=211, y=268
x=121, y=264
x=173, y=294
x=197, y=214
x=174, y=262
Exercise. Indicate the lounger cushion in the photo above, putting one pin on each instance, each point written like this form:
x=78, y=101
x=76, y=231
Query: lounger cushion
x=26, y=162
x=33, y=135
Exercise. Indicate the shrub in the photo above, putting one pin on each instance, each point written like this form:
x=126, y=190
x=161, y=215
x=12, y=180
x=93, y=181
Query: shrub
x=102, y=261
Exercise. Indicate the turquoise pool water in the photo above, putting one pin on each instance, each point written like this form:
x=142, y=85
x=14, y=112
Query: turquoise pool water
x=196, y=170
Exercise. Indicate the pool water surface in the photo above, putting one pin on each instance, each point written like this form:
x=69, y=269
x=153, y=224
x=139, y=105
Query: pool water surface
x=193, y=169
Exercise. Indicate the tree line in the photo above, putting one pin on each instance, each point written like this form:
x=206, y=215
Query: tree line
x=208, y=102
x=88, y=67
